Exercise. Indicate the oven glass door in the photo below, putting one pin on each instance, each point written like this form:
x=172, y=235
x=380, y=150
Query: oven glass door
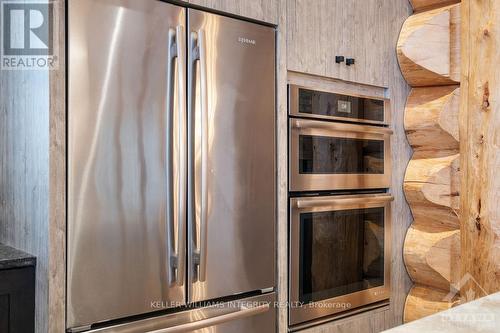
x=335, y=156
x=334, y=106
x=339, y=254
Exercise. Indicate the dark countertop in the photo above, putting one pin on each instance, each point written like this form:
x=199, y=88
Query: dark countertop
x=13, y=258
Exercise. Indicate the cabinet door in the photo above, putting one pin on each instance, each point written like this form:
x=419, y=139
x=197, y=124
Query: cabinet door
x=319, y=30
x=17, y=300
x=262, y=10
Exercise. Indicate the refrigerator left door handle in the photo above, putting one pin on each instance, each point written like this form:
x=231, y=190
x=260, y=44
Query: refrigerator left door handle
x=182, y=182
x=169, y=115
x=176, y=156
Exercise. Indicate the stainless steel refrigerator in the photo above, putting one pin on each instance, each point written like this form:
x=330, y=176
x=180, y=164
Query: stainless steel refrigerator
x=171, y=169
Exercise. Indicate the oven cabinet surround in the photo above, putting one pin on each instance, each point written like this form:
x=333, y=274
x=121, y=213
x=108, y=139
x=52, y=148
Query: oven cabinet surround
x=309, y=35
x=389, y=315
x=260, y=10
x=320, y=30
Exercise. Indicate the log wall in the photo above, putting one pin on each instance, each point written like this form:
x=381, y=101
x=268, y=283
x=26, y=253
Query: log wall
x=429, y=57
x=480, y=164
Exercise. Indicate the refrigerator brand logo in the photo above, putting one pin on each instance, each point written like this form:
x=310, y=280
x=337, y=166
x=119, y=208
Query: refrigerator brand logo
x=244, y=40
x=28, y=31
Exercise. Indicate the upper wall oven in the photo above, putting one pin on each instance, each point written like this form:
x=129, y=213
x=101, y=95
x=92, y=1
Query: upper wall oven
x=328, y=156
x=325, y=105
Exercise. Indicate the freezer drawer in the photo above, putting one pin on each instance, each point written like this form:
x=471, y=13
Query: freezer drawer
x=249, y=315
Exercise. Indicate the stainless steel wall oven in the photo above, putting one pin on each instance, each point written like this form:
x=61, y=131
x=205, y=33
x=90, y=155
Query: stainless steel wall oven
x=331, y=155
x=339, y=256
x=340, y=209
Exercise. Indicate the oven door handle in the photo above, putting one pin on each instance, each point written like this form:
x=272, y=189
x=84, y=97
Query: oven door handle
x=325, y=125
x=310, y=203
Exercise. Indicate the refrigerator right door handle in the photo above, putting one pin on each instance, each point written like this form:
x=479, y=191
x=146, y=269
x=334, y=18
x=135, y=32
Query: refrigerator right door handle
x=176, y=157
x=198, y=49
x=243, y=312
x=202, y=270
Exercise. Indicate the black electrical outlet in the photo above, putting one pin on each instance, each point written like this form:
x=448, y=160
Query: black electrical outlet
x=339, y=59
x=349, y=61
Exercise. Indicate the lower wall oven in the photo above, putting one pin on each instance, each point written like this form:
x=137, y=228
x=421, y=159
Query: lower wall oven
x=339, y=254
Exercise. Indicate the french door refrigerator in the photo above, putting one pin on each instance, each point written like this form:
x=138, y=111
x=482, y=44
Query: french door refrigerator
x=171, y=169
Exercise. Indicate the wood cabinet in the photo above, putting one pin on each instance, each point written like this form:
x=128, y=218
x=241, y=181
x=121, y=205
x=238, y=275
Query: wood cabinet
x=262, y=10
x=319, y=30
x=17, y=300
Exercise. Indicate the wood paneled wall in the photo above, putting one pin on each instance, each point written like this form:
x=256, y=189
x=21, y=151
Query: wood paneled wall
x=480, y=124
x=429, y=56
x=57, y=183
x=33, y=178
x=261, y=10
x=24, y=172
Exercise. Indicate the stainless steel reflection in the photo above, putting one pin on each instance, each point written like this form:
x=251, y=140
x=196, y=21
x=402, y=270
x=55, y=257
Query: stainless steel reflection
x=293, y=102
x=171, y=184
x=126, y=183
x=231, y=183
x=254, y=314
x=327, y=182
x=328, y=307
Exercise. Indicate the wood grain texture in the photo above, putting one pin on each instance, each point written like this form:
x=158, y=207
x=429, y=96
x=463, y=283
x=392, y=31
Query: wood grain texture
x=282, y=168
x=431, y=121
x=331, y=84
x=480, y=124
x=33, y=178
x=261, y=10
x=321, y=29
x=429, y=56
x=432, y=188
x=423, y=5
x=433, y=257
x=401, y=153
x=397, y=92
x=428, y=47
x=24, y=173
x=57, y=183
x=372, y=321
x=423, y=301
